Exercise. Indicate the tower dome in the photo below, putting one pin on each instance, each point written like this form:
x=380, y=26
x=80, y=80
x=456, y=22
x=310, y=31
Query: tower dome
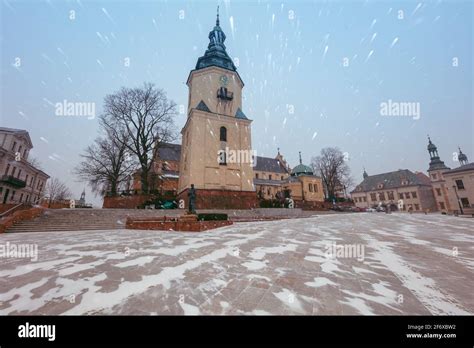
x=301, y=169
x=462, y=157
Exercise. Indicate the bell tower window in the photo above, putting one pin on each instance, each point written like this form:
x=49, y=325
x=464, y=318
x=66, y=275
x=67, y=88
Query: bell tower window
x=223, y=134
x=224, y=94
x=222, y=152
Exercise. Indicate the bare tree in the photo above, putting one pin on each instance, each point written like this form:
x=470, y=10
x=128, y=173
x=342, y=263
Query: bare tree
x=334, y=171
x=105, y=165
x=57, y=191
x=141, y=119
x=34, y=162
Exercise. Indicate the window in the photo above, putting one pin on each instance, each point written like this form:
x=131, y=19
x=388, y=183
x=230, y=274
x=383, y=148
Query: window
x=19, y=173
x=19, y=149
x=26, y=179
x=223, y=134
x=441, y=205
x=460, y=184
x=31, y=182
x=1, y=189
x=13, y=195
x=373, y=197
x=7, y=170
x=27, y=198
x=282, y=178
x=438, y=191
x=400, y=196
x=417, y=207
x=310, y=187
x=315, y=187
x=270, y=177
x=223, y=93
x=382, y=196
x=256, y=175
x=390, y=195
x=380, y=186
x=365, y=199
x=433, y=176
x=21, y=197
x=14, y=146
x=465, y=202
x=268, y=192
x=407, y=195
x=13, y=171
x=24, y=154
x=413, y=194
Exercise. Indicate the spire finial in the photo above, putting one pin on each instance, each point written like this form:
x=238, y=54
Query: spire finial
x=301, y=162
x=217, y=20
x=278, y=150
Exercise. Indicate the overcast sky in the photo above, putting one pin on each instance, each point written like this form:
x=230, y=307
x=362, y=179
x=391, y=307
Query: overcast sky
x=315, y=73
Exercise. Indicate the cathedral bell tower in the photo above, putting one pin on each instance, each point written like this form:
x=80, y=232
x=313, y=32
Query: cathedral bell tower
x=216, y=154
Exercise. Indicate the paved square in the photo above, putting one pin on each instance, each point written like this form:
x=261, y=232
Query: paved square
x=405, y=264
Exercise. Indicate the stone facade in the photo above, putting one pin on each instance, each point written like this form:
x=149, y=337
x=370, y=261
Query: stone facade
x=403, y=188
x=20, y=181
x=460, y=189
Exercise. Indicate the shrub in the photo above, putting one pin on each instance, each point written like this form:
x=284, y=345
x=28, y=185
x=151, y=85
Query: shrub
x=212, y=217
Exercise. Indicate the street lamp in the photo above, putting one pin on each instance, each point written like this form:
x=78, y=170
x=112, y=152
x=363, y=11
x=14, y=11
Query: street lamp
x=457, y=197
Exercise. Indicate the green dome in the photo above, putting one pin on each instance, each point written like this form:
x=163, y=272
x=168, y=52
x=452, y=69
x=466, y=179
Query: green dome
x=302, y=169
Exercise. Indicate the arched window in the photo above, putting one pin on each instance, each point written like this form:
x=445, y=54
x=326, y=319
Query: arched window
x=223, y=134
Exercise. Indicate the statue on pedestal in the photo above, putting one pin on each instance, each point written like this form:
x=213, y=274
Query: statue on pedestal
x=192, y=200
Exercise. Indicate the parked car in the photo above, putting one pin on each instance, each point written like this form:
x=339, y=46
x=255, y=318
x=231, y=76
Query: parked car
x=370, y=210
x=380, y=209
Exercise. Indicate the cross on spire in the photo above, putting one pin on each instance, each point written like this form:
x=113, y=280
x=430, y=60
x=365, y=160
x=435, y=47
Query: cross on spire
x=217, y=20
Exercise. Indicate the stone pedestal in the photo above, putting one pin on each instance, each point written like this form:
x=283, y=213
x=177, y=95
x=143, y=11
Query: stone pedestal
x=188, y=217
x=222, y=199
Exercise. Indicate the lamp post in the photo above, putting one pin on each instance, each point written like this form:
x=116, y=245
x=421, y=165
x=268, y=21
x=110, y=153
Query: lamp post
x=457, y=197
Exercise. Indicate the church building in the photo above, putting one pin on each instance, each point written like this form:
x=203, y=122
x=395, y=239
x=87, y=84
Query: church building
x=216, y=126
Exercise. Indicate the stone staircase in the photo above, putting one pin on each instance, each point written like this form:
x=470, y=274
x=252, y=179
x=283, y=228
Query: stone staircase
x=114, y=219
x=85, y=219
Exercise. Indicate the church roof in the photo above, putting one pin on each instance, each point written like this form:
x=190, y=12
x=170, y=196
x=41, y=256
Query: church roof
x=202, y=106
x=267, y=164
x=302, y=169
x=169, y=152
x=240, y=114
x=216, y=54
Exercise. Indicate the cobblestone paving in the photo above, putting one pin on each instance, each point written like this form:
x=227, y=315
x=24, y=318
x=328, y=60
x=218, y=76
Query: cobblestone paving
x=380, y=264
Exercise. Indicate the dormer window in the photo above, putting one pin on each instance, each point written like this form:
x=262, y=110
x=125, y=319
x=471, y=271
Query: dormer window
x=224, y=94
x=404, y=182
x=380, y=186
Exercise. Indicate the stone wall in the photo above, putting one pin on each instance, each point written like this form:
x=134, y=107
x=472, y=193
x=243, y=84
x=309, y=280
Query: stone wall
x=174, y=224
x=222, y=199
x=125, y=202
